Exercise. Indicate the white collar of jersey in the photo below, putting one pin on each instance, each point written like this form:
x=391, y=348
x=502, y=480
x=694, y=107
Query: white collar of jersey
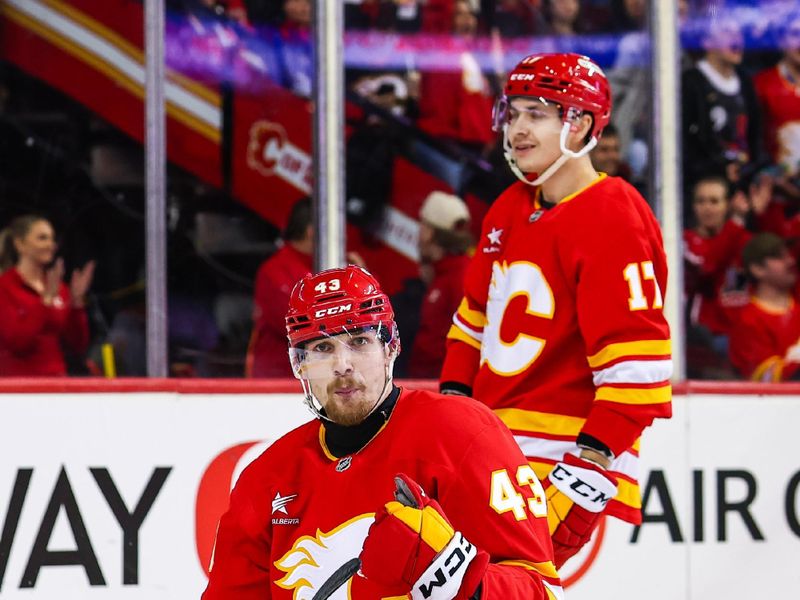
x=727, y=85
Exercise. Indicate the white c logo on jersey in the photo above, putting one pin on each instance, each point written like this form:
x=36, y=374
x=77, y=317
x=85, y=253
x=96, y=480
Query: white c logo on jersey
x=508, y=282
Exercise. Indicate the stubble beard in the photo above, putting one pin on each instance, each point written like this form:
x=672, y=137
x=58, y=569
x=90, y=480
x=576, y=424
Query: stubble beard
x=350, y=411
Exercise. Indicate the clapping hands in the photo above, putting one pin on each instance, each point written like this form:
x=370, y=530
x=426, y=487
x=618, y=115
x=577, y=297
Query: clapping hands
x=79, y=283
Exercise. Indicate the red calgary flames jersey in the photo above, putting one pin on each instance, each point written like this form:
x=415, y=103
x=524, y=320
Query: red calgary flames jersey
x=298, y=513
x=562, y=330
x=765, y=343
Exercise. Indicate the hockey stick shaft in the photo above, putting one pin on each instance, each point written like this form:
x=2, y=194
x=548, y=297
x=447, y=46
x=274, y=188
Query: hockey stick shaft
x=339, y=577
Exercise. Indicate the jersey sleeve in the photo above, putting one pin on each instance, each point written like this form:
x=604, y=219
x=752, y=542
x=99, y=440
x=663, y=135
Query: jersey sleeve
x=498, y=504
x=463, y=355
x=622, y=275
x=240, y=562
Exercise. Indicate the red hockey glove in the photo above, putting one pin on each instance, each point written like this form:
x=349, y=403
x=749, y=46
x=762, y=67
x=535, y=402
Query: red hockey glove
x=577, y=492
x=412, y=549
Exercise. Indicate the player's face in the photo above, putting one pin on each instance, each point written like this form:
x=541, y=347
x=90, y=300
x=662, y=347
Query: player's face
x=347, y=374
x=710, y=205
x=534, y=129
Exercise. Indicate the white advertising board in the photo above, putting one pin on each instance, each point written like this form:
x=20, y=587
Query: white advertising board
x=115, y=495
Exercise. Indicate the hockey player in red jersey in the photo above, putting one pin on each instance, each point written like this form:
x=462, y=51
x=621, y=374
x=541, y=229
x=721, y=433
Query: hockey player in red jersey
x=561, y=331
x=469, y=519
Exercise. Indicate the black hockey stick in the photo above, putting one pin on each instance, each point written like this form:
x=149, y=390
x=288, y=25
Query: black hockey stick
x=339, y=577
x=404, y=496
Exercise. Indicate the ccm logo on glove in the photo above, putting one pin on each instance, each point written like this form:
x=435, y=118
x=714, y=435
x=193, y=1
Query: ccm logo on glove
x=589, y=496
x=447, y=571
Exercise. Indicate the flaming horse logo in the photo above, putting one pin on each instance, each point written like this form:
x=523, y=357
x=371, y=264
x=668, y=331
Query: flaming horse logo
x=312, y=560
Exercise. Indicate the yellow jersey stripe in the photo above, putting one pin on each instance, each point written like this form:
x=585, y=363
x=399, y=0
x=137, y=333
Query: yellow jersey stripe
x=600, y=177
x=548, y=569
x=473, y=317
x=456, y=333
x=628, y=493
x=766, y=365
x=624, y=349
x=540, y=422
x=657, y=395
x=323, y=444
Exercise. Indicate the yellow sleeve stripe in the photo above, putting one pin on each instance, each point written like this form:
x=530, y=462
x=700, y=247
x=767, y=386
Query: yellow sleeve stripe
x=628, y=493
x=625, y=349
x=548, y=569
x=428, y=522
x=657, y=395
x=456, y=333
x=473, y=317
x=762, y=370
x=540, y=422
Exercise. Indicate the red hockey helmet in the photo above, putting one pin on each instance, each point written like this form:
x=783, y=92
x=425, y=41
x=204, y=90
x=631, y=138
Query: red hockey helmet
x=573, y=81
x=336, y=301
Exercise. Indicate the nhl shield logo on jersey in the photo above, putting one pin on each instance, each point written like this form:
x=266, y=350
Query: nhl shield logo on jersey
x=313, y=559
x=344, y=464
x=535, y=216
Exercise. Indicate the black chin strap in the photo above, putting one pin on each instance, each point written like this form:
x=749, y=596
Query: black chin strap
x=342, y=440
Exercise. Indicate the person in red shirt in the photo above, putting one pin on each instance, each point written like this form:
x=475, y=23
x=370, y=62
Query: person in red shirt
x=444, y=240
x=778, y=91
x=561, y=331
x=41, y=316
x=313, y=516
x=266, y=356
x=712, y=254
x=765, y=340
x=455, y=103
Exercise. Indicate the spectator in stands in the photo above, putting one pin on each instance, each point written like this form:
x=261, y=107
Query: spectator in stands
x=41, y=316
x=563, y=17
x=274, y=282
x=233, y=9
x=778, y=90
x=266, y=356
x=293, y=46
x=765, y=343
x=607, y=155
x=628, y=15
x=371, y=149
x=516, y=18
x=721, y=131
x=444, y=241
x=630, y=78
x=453, y=104
x=713, y=276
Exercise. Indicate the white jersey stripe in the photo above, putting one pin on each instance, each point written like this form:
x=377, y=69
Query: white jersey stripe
x=475, y=335
x=634, y=371
x=533, y=448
